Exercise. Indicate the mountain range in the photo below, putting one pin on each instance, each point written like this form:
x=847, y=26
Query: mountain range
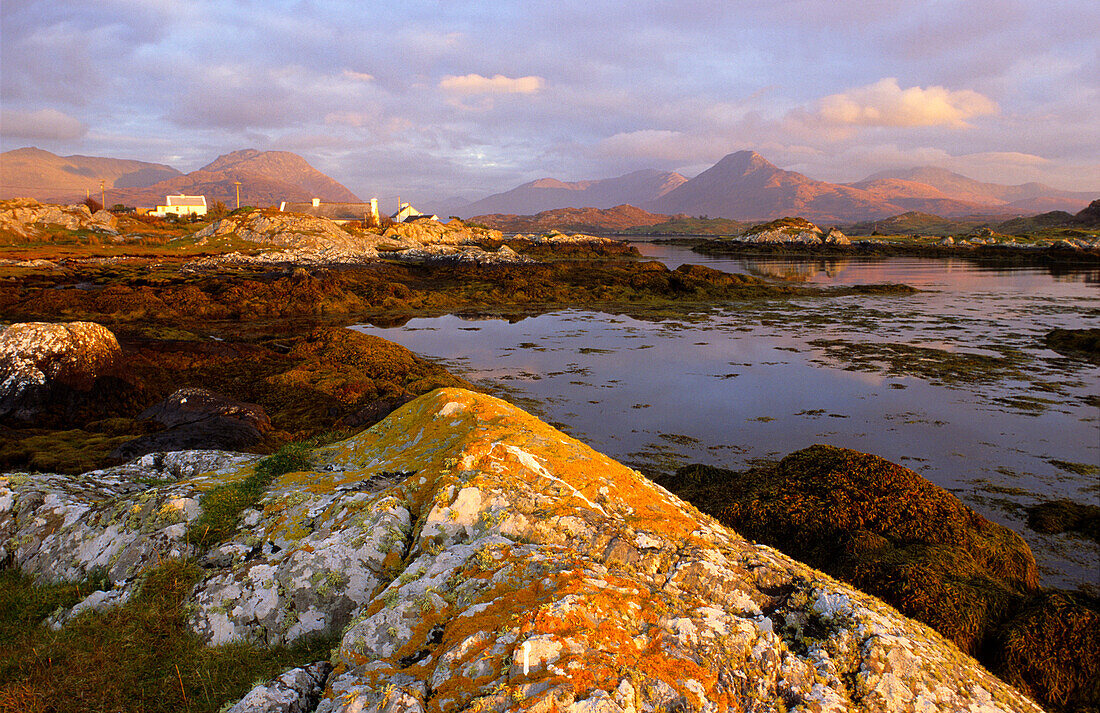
x=742, y=186
x=267, y=177
x=746, y=186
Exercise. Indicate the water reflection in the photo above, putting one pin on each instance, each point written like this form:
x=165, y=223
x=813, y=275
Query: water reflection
x=761, y=379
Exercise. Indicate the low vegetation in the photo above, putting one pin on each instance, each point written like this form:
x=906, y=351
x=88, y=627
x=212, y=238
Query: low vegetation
x=141, y=657
x=222, y=505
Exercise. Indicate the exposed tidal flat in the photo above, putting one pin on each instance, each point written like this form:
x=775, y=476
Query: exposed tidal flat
x=953, y=381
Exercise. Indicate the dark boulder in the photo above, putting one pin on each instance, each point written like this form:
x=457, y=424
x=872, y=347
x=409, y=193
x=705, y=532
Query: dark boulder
x=195, y=418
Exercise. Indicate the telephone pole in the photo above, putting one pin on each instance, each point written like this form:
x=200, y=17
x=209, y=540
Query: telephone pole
x=237, y=184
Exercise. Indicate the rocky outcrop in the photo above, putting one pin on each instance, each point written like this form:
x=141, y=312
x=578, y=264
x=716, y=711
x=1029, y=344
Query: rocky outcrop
x=476, y=558
x=293, y=231
x=38, y=357
x=792, y=231
x=460, y=254
x=295, y=691
x=432, y=232
x=27, y=218
x=556, y=237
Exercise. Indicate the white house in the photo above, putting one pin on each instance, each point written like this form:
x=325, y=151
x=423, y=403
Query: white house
x=182, y=205
x=407, y=214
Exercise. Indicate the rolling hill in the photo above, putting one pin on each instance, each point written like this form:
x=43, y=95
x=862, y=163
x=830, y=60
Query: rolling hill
x=267, y=177
x=38, y=174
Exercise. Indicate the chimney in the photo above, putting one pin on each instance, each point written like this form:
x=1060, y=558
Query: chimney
x=316, y=202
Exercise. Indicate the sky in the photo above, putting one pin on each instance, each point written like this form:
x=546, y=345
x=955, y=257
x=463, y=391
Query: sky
x=433, y=100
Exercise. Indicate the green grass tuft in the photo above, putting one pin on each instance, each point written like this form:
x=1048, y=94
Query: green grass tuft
x=140, y=657
x=223, y=504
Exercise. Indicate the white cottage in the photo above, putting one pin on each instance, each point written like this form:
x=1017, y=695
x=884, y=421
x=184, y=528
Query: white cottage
x=182, y=205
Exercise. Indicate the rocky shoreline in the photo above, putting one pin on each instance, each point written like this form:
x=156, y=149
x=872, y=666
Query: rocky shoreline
x=186, y=453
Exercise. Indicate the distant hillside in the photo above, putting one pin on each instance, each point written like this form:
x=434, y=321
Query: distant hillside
x=1087, y=219
x=549, y=194
x=917, y=223
x=745, y=186
x=1022, y=198
x=38, y=174
x=577, y=220
x=267, y=177
x=686, y=225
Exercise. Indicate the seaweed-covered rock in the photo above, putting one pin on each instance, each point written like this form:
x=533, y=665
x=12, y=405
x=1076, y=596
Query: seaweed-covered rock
x=879, y=526
x=1032, y=649
x=1065, y=516
x=476, y=558
x=37, y=358
x=1075, y=342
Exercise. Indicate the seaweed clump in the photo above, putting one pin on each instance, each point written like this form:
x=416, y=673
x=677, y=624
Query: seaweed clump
x=1065, y=516
x=1033, y=648
x=889, y=532
x=1075, y=342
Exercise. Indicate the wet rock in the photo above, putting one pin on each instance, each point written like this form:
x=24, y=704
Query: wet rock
x=198, y=419
x=295, y=691
x=476, y=558
x=38, y=358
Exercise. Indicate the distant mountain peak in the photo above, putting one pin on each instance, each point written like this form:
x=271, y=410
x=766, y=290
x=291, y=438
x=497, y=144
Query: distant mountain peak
x=743, y=163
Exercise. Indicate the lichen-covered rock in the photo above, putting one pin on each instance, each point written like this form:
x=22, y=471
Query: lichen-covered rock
x=295, y=691
x=459, y=254
x=28, y=218
x=36, y=357
x=477, y=558
x=430, y=232
x=305, y=233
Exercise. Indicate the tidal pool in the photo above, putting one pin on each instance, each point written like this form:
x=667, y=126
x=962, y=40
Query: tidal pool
x=953, y=381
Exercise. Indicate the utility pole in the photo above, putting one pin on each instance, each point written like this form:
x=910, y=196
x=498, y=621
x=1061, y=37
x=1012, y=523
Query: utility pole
x=237, y=184
x=102, y=195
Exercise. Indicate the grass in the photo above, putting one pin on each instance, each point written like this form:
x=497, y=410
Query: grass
x=140, y=657
x=223, y=504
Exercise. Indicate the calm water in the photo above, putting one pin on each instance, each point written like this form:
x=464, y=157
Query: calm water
x=748, y=381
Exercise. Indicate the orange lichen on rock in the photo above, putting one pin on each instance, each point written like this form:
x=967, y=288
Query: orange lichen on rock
x=475, y=558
